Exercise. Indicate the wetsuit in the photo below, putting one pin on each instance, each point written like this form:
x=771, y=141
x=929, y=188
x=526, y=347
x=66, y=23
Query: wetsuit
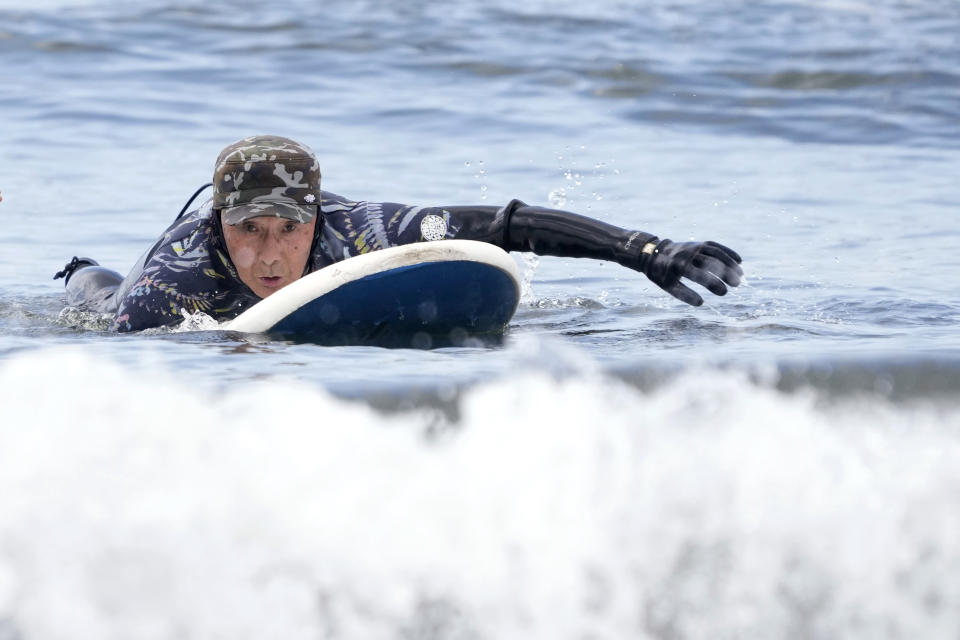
x=189, y=269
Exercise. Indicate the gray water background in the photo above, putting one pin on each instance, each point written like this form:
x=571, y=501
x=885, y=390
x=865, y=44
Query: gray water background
x=819, y=139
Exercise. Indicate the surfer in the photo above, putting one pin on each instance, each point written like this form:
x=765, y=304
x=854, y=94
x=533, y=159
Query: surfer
x=269, y=223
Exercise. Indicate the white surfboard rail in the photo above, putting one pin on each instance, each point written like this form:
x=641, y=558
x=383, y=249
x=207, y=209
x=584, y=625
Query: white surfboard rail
x=269, y=311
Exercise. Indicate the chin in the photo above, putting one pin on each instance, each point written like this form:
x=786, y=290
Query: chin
x=263, y=292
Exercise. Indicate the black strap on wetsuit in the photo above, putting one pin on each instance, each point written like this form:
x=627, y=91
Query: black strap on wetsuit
x=72, y=266
x=192, y=198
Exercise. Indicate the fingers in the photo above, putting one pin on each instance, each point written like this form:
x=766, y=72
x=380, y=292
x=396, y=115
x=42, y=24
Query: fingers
x=709, y=264
x=707, y=279
x=726, y=271
x=683, y=293
x=718, y=250
x=714, y=267
x=730, y=263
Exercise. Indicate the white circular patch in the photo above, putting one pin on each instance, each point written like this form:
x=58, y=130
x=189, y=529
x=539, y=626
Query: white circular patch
x=433, y=227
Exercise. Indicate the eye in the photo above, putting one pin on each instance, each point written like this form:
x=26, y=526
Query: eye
x=290, y=227
x=249, y=227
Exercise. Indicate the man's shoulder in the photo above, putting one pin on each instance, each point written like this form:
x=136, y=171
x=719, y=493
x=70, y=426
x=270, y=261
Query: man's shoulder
x=186, y=245
x=332, y=203
x=193, y=228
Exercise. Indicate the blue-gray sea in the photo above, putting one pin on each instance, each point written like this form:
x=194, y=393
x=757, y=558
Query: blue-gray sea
x=783, y=462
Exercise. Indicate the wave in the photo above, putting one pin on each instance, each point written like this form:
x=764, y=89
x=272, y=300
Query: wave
x=139, y=504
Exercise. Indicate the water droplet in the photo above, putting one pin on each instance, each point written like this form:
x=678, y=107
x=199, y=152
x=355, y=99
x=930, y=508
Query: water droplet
x=557, y=197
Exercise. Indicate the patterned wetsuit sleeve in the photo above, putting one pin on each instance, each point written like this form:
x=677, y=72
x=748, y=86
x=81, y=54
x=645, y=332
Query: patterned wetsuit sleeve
x=419, y=224
x=354, y=228
x=178, y=277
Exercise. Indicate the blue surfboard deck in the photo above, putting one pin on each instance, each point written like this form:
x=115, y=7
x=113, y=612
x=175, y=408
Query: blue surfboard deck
x=422, y=295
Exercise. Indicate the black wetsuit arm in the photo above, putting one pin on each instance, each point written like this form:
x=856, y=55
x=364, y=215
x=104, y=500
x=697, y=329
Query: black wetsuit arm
x=550, y=232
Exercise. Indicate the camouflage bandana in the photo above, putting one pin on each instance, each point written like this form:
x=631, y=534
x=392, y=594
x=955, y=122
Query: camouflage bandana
x=266, y=176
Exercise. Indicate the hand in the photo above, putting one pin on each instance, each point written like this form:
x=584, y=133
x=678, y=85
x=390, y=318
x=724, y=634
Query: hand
x=707, y=263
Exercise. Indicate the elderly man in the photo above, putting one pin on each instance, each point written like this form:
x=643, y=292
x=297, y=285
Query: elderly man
x=269, y=224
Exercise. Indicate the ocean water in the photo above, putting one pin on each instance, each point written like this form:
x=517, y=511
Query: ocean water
x=783, y=462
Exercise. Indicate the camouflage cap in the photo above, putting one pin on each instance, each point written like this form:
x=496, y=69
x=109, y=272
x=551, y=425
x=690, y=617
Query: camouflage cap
x=266, y=176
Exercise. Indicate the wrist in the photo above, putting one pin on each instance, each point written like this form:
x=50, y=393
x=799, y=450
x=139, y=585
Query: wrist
x=646, y=251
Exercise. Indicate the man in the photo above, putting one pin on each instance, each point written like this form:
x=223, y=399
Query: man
x=270, y=224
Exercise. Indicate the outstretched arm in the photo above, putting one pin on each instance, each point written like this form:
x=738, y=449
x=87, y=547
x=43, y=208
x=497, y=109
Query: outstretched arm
x=519, y=227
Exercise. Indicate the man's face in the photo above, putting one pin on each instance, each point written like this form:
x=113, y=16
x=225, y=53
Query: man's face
x=269, y=252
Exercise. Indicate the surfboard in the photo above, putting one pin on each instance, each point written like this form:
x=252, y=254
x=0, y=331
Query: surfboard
x=420, y=295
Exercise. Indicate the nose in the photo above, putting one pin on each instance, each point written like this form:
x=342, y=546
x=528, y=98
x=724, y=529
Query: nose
x=271, y=251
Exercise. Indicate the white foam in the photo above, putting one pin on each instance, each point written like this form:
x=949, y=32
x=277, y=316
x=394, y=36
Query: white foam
x=197, y=321
x=136, y=506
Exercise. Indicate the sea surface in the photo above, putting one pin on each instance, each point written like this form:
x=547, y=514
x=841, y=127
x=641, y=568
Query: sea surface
x=783, y=462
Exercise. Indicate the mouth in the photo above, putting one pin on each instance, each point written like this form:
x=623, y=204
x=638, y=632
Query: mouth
x=271, y=282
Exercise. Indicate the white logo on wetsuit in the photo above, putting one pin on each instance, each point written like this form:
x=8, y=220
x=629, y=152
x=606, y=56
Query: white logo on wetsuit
x=433, y=227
